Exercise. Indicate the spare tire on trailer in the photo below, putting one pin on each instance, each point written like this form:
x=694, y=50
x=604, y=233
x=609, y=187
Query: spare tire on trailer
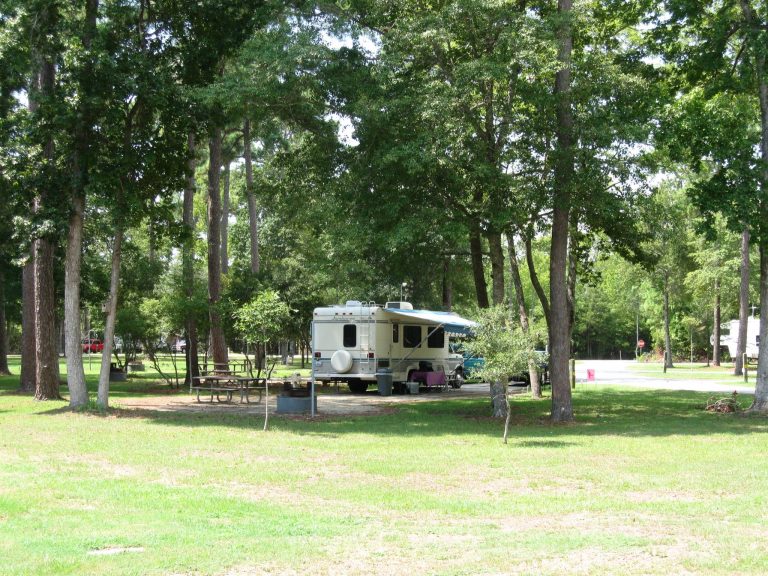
x=341, y=361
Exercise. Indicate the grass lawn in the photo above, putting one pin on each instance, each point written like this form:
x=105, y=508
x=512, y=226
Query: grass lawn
x=644, y=482
x=688, y=371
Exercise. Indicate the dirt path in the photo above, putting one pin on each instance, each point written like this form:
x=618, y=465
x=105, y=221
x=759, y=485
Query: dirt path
x=329, y=402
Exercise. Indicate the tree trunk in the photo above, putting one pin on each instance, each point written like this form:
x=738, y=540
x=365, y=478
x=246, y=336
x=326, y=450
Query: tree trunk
x=109, y=328
x=28, y=360
x=478, y=270
x=560, y=348
x=73, y=350
x=4, y=371
x=447, y=284
x=46, y=357
x=667, y=336
x=218, y=344
x=535, y=281
x=573, y=251
x=519, y=302
x=225, y=223
x=78, y=392
x=741, y=343
x=497, y=267
x=760, y=402
x=716, y=330
x=499, y=399
x=253, y=214
x=188, y=265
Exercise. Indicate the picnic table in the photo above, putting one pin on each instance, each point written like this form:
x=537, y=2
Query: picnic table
x=233, y=366
x=227, y=385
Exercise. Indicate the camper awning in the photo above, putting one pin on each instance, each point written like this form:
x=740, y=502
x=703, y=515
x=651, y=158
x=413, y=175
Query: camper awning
x=450, y=322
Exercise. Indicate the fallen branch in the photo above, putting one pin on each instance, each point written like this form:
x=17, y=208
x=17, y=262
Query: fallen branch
x=723, y=405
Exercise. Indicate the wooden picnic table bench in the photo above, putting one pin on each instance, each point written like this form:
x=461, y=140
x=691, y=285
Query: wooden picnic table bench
x=218, y=372
x=228, y=385
x=232, y=366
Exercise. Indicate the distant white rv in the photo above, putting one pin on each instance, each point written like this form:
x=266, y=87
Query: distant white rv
x=353, y=342
x=732, y=338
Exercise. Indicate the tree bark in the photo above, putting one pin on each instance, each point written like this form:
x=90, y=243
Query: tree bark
x=519, y=302
x=3, y=335
x=188, y=265
x=109, y=328
x=499, y=400
x=73, y=350
x=28, y=359
x=253, y=213
x=760, y=401
x=667, y=336
x=716, y=322
x=741, y=343
x=497, y=267
x=225, y=223
x=46, y=357
x=573, y=259
x=78, y=392
x=218, y=343
x=536, y=283
x=478, y=270
x=562, y=407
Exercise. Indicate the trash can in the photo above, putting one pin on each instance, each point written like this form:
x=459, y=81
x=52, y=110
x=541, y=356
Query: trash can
x=115, y=373
x=384, y=381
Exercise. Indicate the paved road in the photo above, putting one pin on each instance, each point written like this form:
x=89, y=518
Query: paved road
x=626, y=372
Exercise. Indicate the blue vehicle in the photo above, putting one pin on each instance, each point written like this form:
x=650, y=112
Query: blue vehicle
x=472, y=364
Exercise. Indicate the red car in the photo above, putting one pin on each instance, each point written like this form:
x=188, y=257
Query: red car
x=92, y=345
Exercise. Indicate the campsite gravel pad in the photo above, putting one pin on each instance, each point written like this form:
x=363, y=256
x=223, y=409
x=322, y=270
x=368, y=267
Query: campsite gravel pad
x=331, y=403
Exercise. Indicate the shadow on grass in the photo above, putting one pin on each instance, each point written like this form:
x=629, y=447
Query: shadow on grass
x=544, y=444
x=606, y=412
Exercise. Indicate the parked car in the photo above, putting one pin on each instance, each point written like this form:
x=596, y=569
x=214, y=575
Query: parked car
x=91, y=345
x=472, y=364
x=179, y=346
x=542, y=362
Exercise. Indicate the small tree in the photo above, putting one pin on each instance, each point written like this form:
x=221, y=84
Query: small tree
x=263, y=320
x=507, y=351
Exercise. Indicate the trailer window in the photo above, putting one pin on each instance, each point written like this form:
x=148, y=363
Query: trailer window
x=411, y=336
x=350, y=335
x=395, y=333
x=436, y=339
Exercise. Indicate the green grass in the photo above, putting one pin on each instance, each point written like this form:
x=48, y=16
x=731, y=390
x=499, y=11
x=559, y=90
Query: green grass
x=688, y=371
x=149, y=380
x=642, y=483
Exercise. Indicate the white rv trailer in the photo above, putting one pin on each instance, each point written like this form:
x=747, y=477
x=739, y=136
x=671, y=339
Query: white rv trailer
x=731, y=339
x=353, y=342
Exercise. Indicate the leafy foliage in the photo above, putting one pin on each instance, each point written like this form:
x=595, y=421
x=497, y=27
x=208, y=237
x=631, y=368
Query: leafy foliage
x=506, y=349
x=263, y=319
